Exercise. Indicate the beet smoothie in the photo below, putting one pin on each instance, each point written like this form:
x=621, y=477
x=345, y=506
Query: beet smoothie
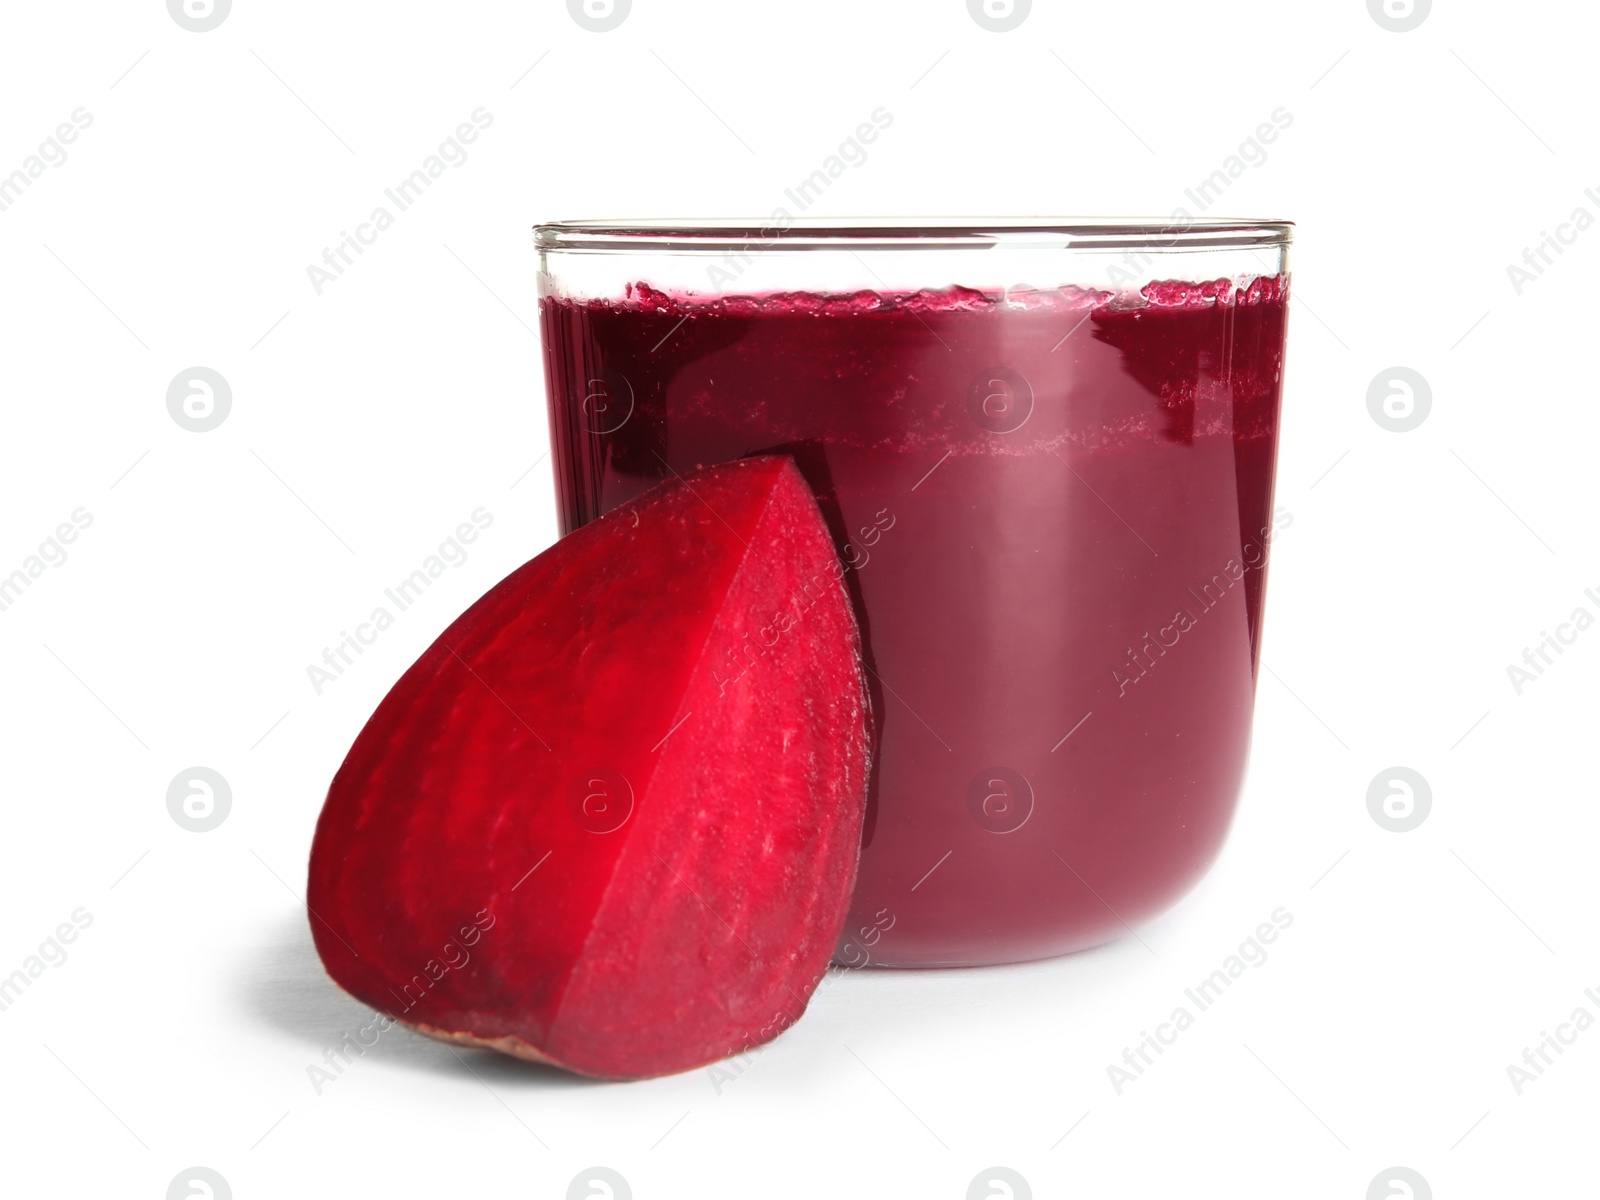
x=1055, y=508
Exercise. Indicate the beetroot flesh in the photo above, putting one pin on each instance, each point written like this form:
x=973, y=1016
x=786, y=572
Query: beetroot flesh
x=610, y=819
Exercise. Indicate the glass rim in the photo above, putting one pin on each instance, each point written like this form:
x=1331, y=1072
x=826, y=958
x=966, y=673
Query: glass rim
x=720, y=234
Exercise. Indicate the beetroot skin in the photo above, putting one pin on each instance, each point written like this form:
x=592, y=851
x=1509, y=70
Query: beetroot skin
x=610, y=819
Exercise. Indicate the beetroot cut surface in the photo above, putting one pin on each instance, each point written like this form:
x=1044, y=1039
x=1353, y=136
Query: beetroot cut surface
x=610, y=819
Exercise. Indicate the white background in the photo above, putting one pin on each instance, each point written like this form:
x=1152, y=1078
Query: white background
x=369, y=421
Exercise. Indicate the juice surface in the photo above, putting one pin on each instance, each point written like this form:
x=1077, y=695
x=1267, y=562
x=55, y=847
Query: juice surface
x=1055, y=509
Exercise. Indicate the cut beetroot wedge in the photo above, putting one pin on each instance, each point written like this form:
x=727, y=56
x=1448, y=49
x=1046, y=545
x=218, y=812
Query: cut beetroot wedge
x=610, y=819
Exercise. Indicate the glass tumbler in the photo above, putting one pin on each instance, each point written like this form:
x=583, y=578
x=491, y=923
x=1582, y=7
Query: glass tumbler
x=1045, y=449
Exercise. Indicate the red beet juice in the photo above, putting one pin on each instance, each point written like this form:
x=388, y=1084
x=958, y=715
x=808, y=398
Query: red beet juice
x=1054, y=508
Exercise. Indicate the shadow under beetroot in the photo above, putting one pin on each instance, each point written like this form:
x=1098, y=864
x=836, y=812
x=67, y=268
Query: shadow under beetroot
x=289, y=991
